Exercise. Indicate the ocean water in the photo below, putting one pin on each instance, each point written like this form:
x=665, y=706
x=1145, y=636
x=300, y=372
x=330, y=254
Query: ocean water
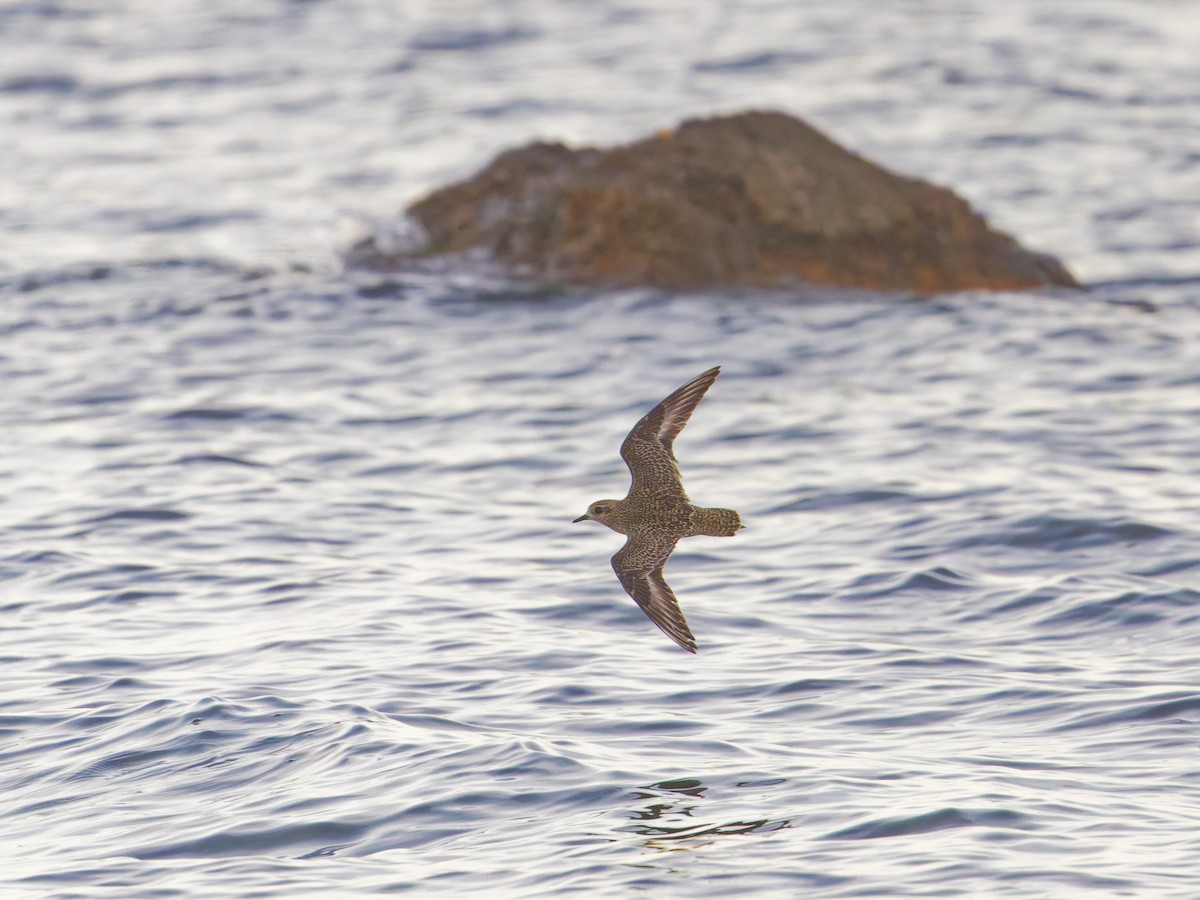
x=291, y=603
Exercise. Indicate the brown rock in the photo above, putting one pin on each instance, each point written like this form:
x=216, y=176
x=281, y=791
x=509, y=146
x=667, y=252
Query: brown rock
x=758, y=199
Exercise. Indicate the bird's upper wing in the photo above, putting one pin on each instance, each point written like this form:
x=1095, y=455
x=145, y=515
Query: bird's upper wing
x=639, y=566
x=647, y=449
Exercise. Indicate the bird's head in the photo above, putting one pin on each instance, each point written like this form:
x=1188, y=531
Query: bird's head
x=602, y=511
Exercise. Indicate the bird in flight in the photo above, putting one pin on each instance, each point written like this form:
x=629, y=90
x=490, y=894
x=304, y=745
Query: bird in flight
x=656, y=512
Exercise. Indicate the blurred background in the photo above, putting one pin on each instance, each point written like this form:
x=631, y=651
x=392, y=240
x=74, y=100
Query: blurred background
x=290, y=599
x=259, y=132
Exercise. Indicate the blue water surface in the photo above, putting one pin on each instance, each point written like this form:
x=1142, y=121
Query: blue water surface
x=290, y=597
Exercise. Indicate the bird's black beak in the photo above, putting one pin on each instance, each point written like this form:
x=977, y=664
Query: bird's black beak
x=582, y=518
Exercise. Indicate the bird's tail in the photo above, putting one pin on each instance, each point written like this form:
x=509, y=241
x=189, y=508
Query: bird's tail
x=716, y=522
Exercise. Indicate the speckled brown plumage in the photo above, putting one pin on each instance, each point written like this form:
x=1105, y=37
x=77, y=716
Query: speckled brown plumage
x=656, y=512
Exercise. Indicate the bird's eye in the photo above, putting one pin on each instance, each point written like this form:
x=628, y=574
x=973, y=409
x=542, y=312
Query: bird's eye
x=600, y=509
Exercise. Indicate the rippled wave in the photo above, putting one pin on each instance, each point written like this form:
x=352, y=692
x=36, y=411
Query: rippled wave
x=329, y=606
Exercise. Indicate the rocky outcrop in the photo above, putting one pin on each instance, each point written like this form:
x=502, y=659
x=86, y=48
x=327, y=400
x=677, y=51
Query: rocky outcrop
x=758, y=199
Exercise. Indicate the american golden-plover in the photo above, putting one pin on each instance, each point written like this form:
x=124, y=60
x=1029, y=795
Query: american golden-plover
x=656, y=512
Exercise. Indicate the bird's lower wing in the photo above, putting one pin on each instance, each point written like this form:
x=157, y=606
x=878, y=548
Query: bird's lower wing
x=639, y=566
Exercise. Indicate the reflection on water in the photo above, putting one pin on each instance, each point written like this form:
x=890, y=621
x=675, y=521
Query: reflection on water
x=672, y=819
